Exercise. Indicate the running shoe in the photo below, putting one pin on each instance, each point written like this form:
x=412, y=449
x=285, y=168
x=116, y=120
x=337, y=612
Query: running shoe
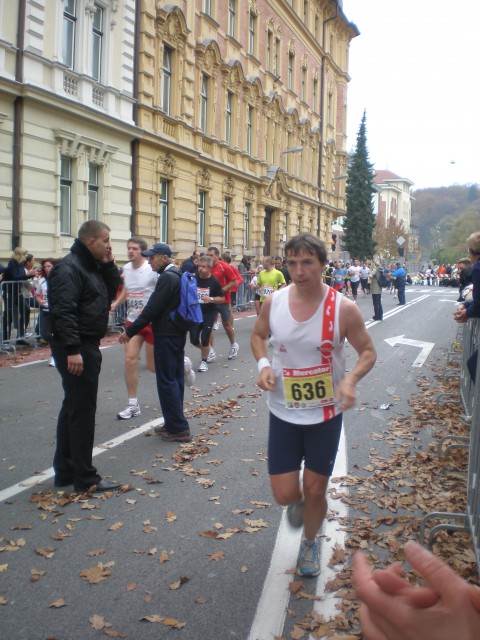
x=51, y=362
x=215, y=326
x=233, y=351
x=211, y=355
x=189, y=372
x=309, y=559
x=203, y=366
x=295, y=514
x=131, y=411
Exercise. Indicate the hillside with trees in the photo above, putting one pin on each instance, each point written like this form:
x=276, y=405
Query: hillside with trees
x=445, y=217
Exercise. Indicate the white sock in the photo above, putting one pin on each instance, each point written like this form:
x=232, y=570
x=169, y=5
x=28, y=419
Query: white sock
x=133, y=401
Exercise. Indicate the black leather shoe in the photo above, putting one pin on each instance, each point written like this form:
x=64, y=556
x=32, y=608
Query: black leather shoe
x=103, y=485
x=62, y=482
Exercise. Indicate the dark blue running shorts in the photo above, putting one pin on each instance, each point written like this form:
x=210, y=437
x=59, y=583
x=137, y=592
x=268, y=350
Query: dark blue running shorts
x=289, y=444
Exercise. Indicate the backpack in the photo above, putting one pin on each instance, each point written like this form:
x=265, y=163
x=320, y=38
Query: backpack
x=382, y=280
x=188, y=312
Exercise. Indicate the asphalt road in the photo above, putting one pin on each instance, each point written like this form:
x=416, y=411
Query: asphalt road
x=196, y=541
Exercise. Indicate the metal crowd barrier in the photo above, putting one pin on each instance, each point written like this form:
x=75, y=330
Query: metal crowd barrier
x=470, y=394
x=20, y=318
x=245, y=295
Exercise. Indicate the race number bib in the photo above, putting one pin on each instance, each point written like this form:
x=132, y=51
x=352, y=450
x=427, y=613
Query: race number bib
x=202, y=294
x=135, y=301
x=308, y=388
x=266, y=291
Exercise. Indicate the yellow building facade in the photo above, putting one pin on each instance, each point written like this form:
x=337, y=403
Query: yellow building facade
x=242, y=109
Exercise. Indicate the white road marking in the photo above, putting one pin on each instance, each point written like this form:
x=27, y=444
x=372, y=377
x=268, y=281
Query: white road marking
x=38, y=479
x=27, y=364
x=425, y=347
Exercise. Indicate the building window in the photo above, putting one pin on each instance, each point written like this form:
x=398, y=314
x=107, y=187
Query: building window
x=246, y=228
x=252, y=24
x=276, y=56
x=249, y=129
x=291, y=63
x=163, y=200
x=226, y=223
x=269, y=50
x=93, y=192
x=65, y=195
x=231, y=18
x=315, y=95
x=97, y=40
x=201, y=218
x=305, y=11
x=317, y=25
x=304, y=84
x=204, y=104
x=329, y=109
x=69, y=24
x=228, y=119
x=207, y=7
x=166, y=85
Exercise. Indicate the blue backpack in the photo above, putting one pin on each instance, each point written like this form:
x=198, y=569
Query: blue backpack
x=188, y=312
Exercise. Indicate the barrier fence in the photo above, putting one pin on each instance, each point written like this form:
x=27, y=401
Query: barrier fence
x=469, y=397
x=22, y=320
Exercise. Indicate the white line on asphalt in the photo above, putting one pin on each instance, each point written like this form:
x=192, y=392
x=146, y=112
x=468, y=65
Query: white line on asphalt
x=38, y=478
x=27, y=364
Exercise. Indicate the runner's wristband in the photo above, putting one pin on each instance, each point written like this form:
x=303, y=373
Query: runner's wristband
x=262, y=363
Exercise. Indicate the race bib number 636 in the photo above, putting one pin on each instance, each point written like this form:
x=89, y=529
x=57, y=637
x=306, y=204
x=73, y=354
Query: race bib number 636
x=308, y=388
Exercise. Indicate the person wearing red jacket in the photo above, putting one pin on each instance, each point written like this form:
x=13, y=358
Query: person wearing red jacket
x=227, y=278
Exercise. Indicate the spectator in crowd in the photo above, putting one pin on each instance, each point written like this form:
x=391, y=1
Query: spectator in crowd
x=14, y=276
x=244, y=270
x=393, y=609
x=376, y=290
x=471, y=309
x=210, y=294
x=81, y=288
x=399, y=274
x=464, y=275
x=191, y=263
x=41, y=296
x=328, y=274
x=169, y=343
x=28, y=292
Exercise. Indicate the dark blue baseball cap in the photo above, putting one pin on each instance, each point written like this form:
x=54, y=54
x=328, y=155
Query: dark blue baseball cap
x=160, y=248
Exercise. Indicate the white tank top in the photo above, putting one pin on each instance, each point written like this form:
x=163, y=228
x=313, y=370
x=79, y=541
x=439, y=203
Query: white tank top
x=308, y=360
x=140, y=284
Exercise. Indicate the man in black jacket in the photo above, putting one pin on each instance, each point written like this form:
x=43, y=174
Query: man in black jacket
x=81, y=288
x=169, y=342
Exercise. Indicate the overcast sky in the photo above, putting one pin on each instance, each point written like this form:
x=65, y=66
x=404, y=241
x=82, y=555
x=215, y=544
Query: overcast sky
x=415, y=68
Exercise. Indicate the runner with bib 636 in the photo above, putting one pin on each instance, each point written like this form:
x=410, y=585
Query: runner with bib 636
x=307, y=385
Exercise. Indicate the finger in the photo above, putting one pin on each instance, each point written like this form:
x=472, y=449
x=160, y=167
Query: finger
x=419, y=597
x=475, y=597
x=369, y=628
x=439, y=576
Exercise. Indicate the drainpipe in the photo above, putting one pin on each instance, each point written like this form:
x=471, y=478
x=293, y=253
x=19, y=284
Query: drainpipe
x=17, y=129
x=322, y=98
x=135, y=143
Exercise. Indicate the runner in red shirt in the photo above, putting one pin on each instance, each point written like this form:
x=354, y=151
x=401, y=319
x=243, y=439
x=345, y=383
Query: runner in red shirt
x=226, y=276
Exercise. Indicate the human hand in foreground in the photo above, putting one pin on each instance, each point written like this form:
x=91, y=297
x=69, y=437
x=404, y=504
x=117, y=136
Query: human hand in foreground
x=393, y=609
x=123, y=339
x=266, y=379
x=460, y=315
x=75, y=364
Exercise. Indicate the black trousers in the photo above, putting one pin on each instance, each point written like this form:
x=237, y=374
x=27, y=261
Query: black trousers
x=169, y=352
x=76, y=420
x=377, y=306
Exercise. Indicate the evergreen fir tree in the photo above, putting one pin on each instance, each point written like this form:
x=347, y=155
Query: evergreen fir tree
x=359, y=222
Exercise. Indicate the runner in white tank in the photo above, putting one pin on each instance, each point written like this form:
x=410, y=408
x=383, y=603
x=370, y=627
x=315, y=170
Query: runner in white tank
x=307, y=386
x=139, y=281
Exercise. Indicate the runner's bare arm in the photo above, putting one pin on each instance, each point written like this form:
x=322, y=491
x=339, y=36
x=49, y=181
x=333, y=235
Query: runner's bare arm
x=258, y=341
x=352, y=327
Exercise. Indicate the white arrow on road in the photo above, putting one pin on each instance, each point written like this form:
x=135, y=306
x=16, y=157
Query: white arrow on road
x=425, y=347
